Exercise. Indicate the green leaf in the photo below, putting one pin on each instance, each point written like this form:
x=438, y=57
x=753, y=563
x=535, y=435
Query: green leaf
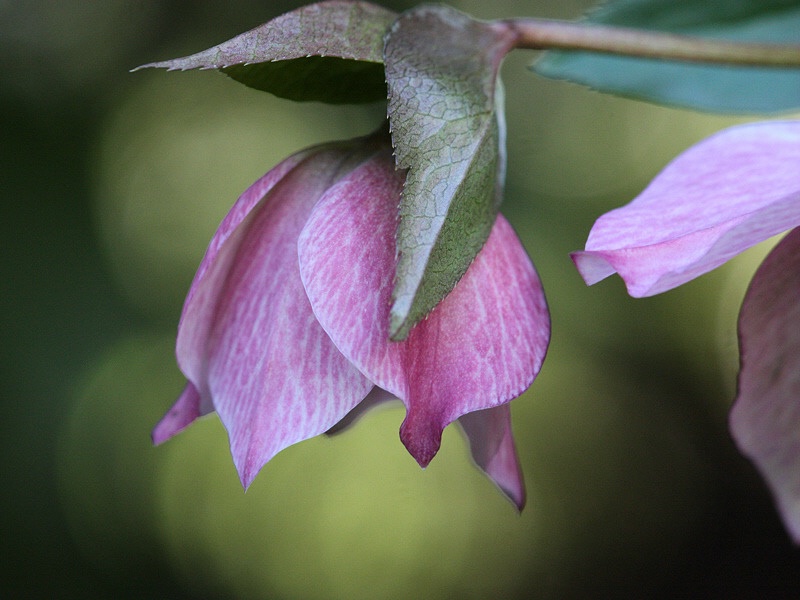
x=699, y=86
x=329, y=52
x=448, y=131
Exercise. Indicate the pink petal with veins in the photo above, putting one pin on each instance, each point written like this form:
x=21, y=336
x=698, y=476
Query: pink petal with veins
x=720, y=197
x=248, y=341
x=492, y=445
x=481, y=346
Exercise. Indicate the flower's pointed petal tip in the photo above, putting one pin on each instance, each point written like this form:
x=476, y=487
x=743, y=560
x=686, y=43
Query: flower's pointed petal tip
x=592, y=266
x=596, y=265
x=246, y=479
x=507, y=476
x=514, y=495
x=510, y=484
x=247, y=470
x=421, y=436
x=182, y=414
x=494, y=452
x=520, y=502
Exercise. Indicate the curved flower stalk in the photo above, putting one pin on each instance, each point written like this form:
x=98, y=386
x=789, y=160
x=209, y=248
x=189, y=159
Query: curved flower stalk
x=284, y=332
x=717, y=199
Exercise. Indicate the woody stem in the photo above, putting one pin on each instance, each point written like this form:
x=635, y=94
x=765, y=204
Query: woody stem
x=541, y=34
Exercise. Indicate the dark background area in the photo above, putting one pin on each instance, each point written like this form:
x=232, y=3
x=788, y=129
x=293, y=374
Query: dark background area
x=636, y=488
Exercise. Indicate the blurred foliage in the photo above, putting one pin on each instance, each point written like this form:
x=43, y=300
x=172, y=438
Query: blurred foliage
x=114, y=182
x=725, y=89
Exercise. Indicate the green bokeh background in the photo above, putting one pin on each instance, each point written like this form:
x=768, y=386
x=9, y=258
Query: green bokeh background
x=113, y=184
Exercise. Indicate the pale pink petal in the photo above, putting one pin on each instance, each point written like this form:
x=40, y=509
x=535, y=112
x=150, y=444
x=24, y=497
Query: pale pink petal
x=765, y=420
x=482, y=346
x=492, y=444
x=715, y=200
x=185, y=410
x=248, y=339
x=194, y=328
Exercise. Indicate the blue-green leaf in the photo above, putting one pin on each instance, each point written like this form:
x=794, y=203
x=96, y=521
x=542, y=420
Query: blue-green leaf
x=448, y=132
x=329, y=52
x=700, y=86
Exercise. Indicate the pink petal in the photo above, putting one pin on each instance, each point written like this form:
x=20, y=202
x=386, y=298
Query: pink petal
x=198, y=314
x=492, y=444
x=481, y=347
x=765, y=420
x=715, y=200
x=185, y=410
x=248, y=340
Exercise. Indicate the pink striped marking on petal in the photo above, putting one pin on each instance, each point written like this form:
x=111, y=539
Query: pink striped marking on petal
x=194, y=327
x=720, y=197
x=198, y=314
x=765, y=420
x=248, y=339
x=482, y=346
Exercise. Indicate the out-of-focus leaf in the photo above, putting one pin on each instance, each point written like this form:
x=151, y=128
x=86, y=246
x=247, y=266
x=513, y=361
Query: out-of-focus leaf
x=328, y=52
x=448, y=131
x=700, y=86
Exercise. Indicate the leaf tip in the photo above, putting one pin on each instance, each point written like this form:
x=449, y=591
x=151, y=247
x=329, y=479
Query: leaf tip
x=400, y=322
x=142, y=67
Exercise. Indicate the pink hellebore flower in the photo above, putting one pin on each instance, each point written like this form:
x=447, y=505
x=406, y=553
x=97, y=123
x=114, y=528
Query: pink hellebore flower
x=720, y=197
x=284, y=332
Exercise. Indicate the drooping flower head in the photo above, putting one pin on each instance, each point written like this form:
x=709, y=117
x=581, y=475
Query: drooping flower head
x=285, y=328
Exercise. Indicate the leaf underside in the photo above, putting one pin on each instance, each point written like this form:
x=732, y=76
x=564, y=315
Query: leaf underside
x=715, y=88
x=328, y=52
x=316, y=78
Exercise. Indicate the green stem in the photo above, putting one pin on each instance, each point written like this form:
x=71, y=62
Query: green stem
x=541, y=34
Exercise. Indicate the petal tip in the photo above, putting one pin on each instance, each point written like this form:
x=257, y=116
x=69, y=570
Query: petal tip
x=422, y=437
x=182, y=414
x=247, y=474
x=494, y=452
x=592, y=266
x=511, y=485
x=246, y=480
x=517, y=499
